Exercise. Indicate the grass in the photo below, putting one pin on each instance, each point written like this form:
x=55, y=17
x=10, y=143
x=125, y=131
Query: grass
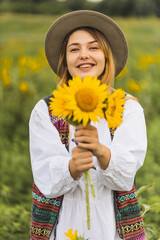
x=23, y=35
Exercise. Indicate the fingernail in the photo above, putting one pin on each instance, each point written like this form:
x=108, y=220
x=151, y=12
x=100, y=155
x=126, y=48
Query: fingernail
x=72, y=139
x=76, y=130
x=76, y=143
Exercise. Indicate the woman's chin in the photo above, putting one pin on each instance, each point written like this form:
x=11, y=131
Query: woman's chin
x=82, y=76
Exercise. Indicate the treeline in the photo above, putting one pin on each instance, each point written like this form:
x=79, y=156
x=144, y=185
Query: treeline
x=123, y=8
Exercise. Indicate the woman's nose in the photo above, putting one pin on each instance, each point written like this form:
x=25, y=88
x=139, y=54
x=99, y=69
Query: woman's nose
x=83, y=54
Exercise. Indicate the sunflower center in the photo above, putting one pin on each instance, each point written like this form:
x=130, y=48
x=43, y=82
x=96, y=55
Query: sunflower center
x=86, y=100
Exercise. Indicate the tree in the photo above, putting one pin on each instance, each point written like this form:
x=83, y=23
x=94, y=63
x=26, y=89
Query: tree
x=76, y=5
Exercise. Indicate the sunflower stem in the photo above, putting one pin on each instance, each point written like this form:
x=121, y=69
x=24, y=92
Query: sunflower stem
x=91, y=183
x=87, y=199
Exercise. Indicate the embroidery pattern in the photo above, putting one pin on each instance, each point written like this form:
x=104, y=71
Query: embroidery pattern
x=45, y=200
x=62, y=127
x=40, y=232
x=133, y=227
x=126, y=197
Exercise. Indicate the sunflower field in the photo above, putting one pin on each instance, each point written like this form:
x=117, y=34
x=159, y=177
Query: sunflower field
x=25, y=78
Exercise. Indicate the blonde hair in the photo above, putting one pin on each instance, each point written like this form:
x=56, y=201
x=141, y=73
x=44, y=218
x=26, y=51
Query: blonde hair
x=108, y=74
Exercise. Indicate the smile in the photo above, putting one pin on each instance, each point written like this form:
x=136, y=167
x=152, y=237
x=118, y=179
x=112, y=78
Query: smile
x=85, y=66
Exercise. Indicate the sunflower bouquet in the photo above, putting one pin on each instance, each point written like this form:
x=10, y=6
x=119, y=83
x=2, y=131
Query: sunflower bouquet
x=83, y=101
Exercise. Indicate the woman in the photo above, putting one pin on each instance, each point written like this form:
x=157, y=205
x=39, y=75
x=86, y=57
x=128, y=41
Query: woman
x=86, y=43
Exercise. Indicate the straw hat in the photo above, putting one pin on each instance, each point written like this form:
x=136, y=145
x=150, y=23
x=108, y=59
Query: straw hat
x=85, y=18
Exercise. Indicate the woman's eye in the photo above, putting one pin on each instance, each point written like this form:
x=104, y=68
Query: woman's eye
x=74, y=49
x=93, y=48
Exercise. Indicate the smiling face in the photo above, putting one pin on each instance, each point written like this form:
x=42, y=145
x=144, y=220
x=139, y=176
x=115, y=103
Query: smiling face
x=84, y=55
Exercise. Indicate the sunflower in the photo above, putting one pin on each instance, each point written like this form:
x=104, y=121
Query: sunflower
x=57, y=103
x=114, y=111
x=86, y=99
x=71, y=235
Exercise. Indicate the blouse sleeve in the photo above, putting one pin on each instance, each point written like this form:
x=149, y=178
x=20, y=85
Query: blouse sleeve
x=49, y=157
x=128, y=150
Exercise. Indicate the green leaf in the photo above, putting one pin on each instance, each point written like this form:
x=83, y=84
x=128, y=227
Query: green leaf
x=144, y=188
x=155, y=206
x=146, y=207
x=149, y=230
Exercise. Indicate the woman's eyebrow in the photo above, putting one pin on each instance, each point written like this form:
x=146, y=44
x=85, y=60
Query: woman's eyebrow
x=73, y=44
x=92, y=42
x=76, y=44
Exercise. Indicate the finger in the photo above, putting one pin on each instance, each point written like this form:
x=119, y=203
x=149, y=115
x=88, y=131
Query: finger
x=84, y=139
x=85, y=154
x=88, y=126
x=87, y=131
x=86, y=134
x=90, y=146
x=82, y=132
x=80, y=126
x=83, y=164
x=79, y=150
x=81, y=153
x=86, y=167
x=85, y=160
x=82, y=161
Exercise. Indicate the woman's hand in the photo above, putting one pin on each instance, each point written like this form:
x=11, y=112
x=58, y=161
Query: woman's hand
x=87, y=138
x=81, y=161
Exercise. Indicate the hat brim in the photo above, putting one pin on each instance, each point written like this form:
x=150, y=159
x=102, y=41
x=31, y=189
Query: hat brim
x=86, y=18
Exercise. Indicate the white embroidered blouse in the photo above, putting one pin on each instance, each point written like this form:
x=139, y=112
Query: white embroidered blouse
x=50, y=159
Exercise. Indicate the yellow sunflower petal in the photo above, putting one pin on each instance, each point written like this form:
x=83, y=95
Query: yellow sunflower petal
x=57, y=103
x=71, y=235
x=114, y=111
x=85, y=119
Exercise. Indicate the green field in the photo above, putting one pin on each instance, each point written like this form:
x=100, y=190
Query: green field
x=25, y=77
